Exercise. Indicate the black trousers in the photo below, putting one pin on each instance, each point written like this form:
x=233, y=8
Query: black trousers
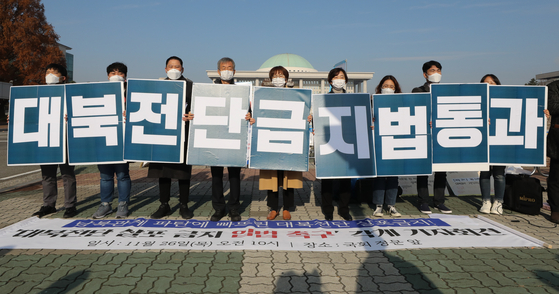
x=439, y=187
x=218, y=200
x=165, y=190
x=288, y=195
x=327, y=188
x=50, y=189
x=553, y=185
x=288, y=199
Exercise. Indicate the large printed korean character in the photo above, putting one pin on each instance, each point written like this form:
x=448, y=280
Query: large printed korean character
x=145, y=112
x=460, y=118
x=95, y=117
x=508, y=131
x=403, y=132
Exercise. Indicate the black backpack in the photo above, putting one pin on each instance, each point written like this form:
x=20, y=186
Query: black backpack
x=523, y=194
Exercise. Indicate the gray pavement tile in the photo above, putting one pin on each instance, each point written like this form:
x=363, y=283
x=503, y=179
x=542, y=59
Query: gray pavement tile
x=161, y=284
x=196, y=288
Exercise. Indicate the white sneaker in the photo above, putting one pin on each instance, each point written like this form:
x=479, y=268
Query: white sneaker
x=497, y=208
x=378, y=211
x=393, y=211
x=486, y=207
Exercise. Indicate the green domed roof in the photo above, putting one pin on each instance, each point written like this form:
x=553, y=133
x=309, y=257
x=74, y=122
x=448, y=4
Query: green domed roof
x=287, y=60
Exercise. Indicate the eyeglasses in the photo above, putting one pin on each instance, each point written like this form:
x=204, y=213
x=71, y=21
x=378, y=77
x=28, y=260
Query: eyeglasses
x=388, y=86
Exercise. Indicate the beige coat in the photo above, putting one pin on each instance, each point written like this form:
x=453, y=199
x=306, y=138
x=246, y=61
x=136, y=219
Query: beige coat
x=269, y=180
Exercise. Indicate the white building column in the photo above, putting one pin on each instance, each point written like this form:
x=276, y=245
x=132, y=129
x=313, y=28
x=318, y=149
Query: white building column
x=301, y=84
x=364, y=86
x=322, y=86
x=256, y=82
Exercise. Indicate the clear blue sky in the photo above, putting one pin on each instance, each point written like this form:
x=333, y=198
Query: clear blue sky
x=512, y=39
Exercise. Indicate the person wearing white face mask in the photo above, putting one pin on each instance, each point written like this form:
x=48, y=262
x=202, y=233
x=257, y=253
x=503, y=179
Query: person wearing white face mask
x=273, y=180
x=57, y=74
x=116, y=72
x=337, y=78
x=385, y=189
x=226, y=71
x=432, y=74
x=180, y=171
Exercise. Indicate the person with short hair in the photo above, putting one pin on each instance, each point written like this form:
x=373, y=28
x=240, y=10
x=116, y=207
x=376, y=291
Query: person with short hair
x=337, y=78
x=432, y=74
x=385, y=189
x=180, y=171
x=116, y=72
x=57, y=74
x=226, y=71
x=498, y=172
x=273, y=180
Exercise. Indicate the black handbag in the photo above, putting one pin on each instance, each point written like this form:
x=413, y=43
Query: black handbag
x=523, y=194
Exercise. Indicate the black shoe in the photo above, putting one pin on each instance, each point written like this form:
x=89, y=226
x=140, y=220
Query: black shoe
x=555, y=217
x=217, y=216
x=234, y=215
x=44, y=211
x=346, y=216
x=185, y=212
x=328, y=217
x=163, y=210
x=70, y=212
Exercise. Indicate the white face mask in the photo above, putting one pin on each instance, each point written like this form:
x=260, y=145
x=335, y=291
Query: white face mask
x=174, y=74
x=116, y=78
x=338, y=84
x=387, y=91
x=278, y=82
x=51, y=79
x=434, y=78
x=226, y=75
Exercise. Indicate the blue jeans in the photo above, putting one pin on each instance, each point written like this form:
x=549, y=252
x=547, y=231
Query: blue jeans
x=388, y=185
x=499, y=180
x=107, y=172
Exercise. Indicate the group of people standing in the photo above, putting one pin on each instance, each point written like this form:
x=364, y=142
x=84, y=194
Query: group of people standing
x=385, y=189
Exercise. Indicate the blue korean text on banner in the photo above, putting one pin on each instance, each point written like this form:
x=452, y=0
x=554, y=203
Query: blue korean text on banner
x=154, y=129
x=517, y=130
x=343, y=139
x=95, y=123
x=402, y=134
x=460, y=127
x=218, y=132
x=36, y=129
x=280, y=140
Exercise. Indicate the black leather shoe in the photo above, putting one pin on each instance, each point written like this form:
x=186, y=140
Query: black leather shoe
x=70, y=212
x=555, y=217
x=346, y=216
x=328, y=217
x=44, y=211
x=217, y=216
x=235, y=216
x=163, y=210
x=185, y=212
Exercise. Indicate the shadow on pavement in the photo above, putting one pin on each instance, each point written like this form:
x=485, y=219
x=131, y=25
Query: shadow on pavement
x=290, y=282
x=68, y=283
x=551, y=278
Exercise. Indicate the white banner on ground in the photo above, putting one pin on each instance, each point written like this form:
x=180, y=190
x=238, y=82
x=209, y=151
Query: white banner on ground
x=313, y=235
